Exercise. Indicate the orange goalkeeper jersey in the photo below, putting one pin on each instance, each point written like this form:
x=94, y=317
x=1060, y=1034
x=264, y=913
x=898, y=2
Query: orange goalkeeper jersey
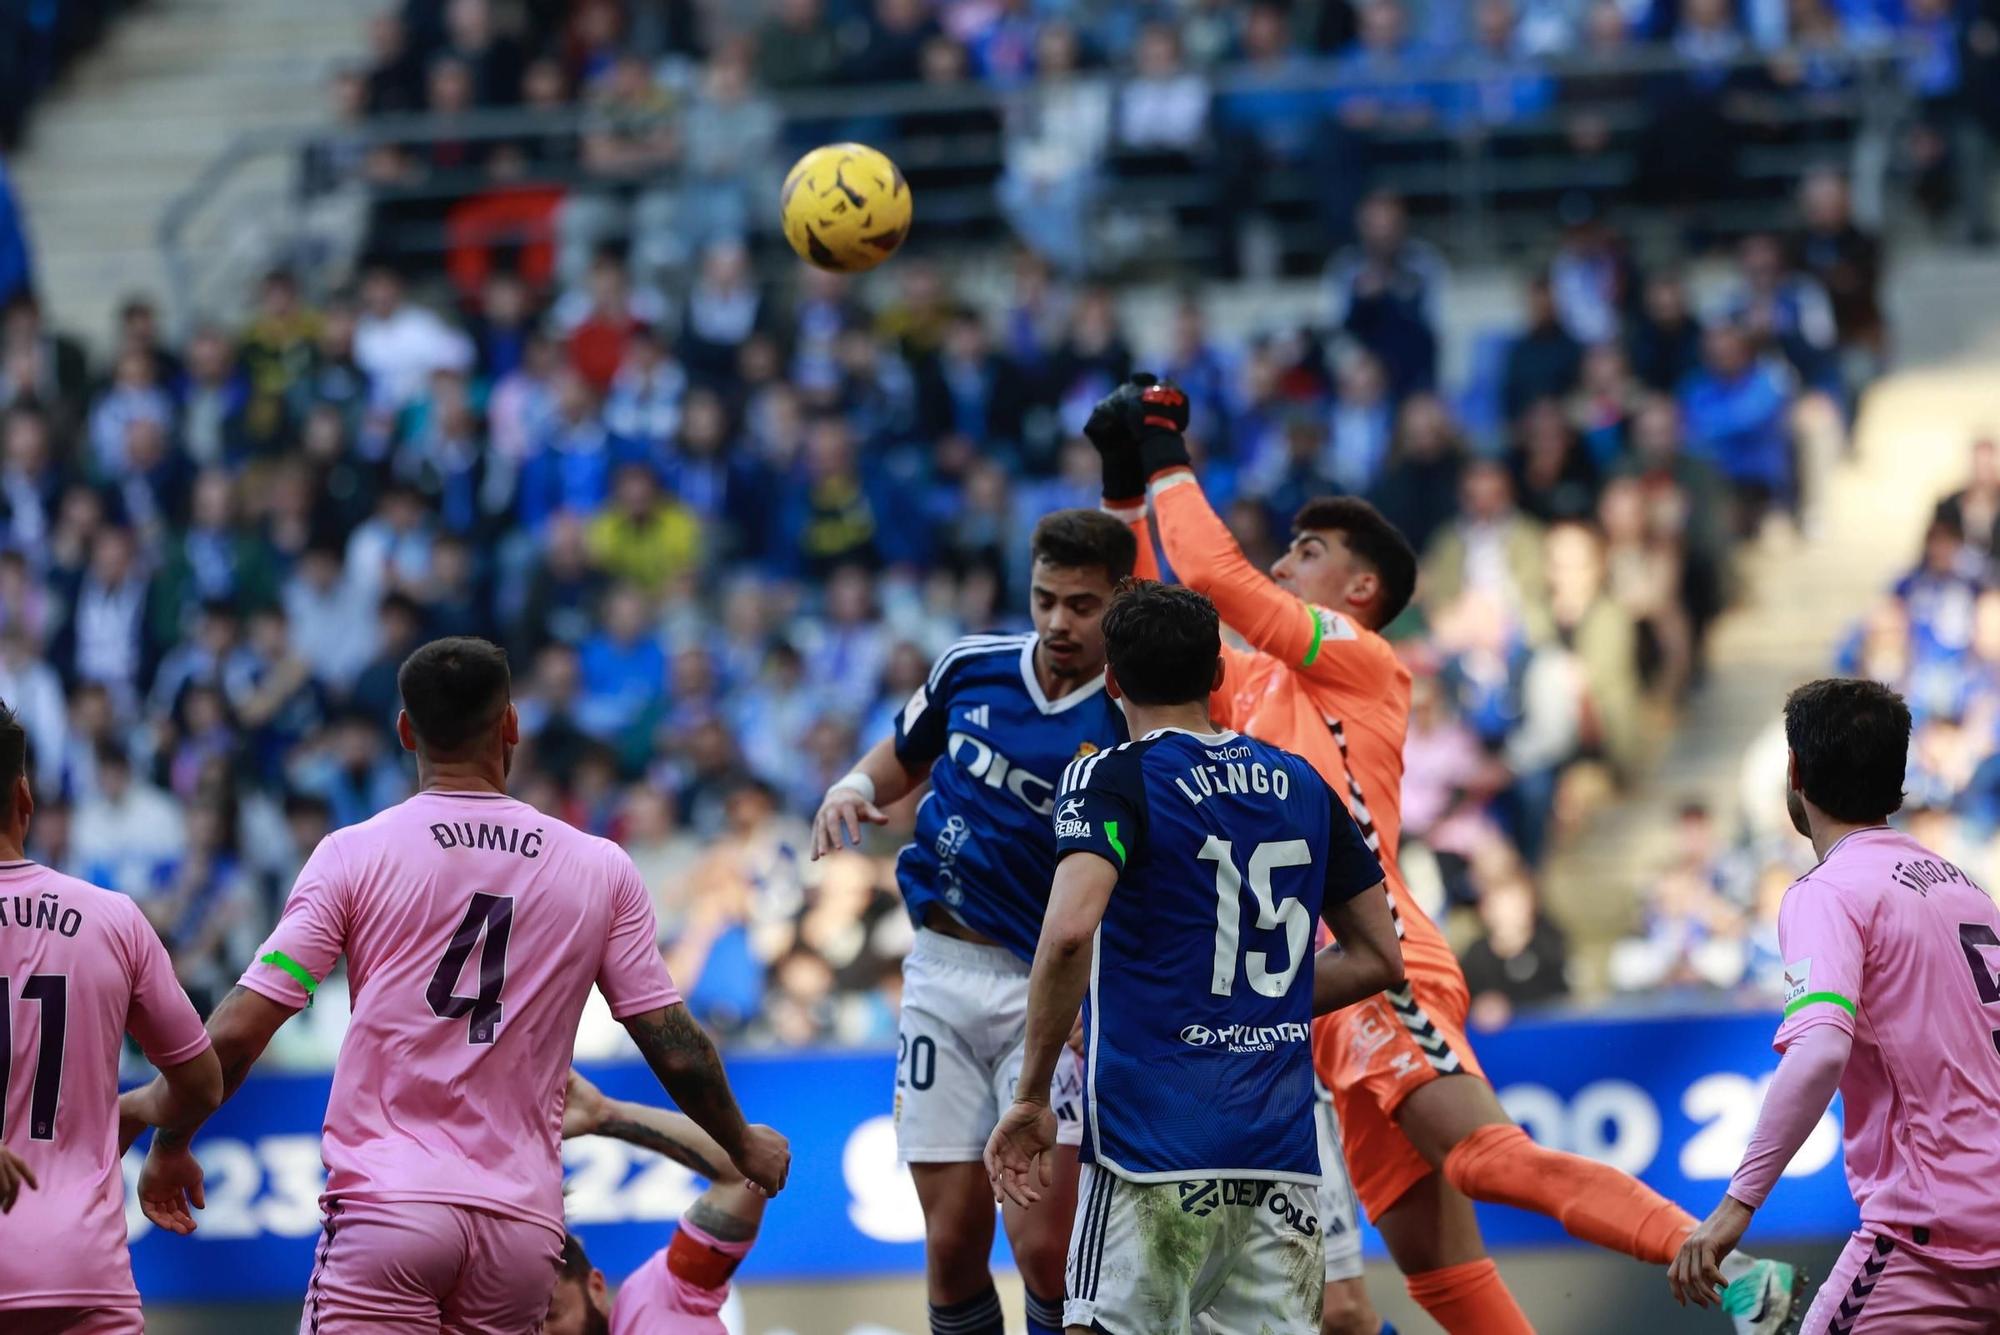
x=1316, y=682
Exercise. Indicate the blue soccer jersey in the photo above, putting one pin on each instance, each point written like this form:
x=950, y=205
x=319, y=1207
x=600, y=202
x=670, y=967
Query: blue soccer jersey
x=1200, y=1005
x=995, y=747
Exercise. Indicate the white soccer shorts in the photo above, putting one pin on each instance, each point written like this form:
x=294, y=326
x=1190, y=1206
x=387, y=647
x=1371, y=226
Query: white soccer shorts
x=1339, y=1213
x=1198, y=1256
x=959, y=1049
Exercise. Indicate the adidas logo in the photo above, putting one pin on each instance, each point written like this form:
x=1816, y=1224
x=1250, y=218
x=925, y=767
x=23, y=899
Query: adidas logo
x=979, y=716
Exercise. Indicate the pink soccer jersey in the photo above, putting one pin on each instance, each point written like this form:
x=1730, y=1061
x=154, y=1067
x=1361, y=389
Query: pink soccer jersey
x=653, y=1300
x=1901, y=950
x=79, y=968
x=473, y=927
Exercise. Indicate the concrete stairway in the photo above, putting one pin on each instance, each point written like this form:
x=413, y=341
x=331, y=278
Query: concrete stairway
x=1802, y=594
x=133, y=124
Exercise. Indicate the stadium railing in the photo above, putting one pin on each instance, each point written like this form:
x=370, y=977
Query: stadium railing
x=1484, y=190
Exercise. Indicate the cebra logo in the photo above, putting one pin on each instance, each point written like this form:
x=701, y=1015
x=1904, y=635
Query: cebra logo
x=986, y=764
x=1072, y=809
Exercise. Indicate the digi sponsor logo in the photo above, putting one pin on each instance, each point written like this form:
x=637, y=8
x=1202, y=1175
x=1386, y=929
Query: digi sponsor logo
x=987, y=765
x=1204, y=1196
x=1245, y=1037
x=1069, y=822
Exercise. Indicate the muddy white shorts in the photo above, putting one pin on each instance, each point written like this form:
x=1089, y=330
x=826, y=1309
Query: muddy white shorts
x=1196, y=1256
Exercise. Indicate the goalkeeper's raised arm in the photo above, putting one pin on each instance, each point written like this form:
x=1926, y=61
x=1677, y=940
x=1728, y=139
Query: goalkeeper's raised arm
x=1347, y=568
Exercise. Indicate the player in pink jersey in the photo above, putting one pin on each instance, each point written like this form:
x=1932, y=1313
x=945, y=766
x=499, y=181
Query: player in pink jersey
x=473, y=927
x=1892, y=996
x=80, y=968
x=681, y=1288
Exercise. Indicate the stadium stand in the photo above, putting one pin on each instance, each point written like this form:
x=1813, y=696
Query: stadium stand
x=555, y=389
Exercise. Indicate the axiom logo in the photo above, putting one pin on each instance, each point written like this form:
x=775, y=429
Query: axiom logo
x=1245, y=1037
x=987, y=765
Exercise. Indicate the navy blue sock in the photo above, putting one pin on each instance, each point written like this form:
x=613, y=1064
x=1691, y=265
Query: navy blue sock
x=1045, y=1316
x=978, y=1315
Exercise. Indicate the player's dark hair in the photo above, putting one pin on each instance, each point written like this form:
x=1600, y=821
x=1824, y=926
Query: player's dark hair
x=1161, y=642
x=13, y=747
x=1086, y=539
x=1372, y=538
x=1852, y=740
x=454, y=691
x=575, y=1261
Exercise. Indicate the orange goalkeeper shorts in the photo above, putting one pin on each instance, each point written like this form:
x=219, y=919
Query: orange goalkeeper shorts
x=1373, y=1055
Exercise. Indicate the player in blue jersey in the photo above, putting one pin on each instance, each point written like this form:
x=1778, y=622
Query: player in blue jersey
x=992, y=729
x=1193, y=863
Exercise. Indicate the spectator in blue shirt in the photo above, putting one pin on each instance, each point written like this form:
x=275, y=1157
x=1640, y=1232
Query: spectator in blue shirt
x=623, y=664
x=1384, y=293
x=1505, y=86
x=569, y=466
x=17, y=270
x=1736, y=410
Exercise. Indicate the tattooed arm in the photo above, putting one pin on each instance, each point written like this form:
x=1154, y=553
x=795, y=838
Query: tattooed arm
x=687, y=1067
x=589, y=1111
x=171, y=1179
x=729, y=1211
x=240, y=1028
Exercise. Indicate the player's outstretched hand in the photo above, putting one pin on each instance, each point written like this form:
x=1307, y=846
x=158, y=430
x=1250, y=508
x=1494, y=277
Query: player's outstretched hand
x=1109, y=432
x=584, y=1107
x=1018, y=1158
x=1157, y=418
x=765, y=1159
x=1696, y=1274
x=168, y=1184
x=840, y=818
x=14, y=1174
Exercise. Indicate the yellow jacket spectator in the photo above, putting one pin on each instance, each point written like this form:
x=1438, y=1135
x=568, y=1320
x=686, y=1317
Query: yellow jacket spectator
x=644, y=536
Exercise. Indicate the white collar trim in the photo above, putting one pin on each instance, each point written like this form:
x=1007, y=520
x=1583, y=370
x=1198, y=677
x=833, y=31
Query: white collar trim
x=1034, y=684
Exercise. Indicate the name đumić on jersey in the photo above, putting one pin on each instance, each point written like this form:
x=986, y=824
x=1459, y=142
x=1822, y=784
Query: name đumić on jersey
x=1200, y=1004
x=995, y=746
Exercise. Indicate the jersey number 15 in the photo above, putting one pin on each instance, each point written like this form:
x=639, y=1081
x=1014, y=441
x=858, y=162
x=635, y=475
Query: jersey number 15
x=1290, y=914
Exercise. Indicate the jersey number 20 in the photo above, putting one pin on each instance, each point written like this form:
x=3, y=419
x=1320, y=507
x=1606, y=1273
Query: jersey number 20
x=1291, y=914
x=495, y=913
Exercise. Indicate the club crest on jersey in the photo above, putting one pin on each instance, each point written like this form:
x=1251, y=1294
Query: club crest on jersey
x=1084, y=749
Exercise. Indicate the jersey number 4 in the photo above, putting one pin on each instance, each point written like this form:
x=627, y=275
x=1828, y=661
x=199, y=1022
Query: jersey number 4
x=494, y=914
x=51, y=992
x=1290, y=914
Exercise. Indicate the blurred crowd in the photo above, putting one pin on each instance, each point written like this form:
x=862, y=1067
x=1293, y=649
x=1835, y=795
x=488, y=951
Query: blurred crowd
x=725, y=516
x=1710, y=918
x=1233, y=134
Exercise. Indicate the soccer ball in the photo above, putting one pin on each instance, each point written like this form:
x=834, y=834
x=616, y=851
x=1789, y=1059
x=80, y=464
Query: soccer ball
x=846, y=207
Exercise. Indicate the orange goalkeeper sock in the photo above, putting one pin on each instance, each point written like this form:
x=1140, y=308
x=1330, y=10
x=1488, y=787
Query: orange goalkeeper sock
x=1593, y=1201
x=1469, y=1299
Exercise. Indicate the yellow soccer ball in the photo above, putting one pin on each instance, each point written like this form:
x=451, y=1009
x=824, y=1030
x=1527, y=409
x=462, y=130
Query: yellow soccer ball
x=846, y=207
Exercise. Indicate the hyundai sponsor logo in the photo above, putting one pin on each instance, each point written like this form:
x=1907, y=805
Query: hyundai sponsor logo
x=1245, y=1037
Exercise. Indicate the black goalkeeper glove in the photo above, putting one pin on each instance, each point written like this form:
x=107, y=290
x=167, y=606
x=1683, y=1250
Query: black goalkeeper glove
x=1157, y=418
x=1109, y=431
